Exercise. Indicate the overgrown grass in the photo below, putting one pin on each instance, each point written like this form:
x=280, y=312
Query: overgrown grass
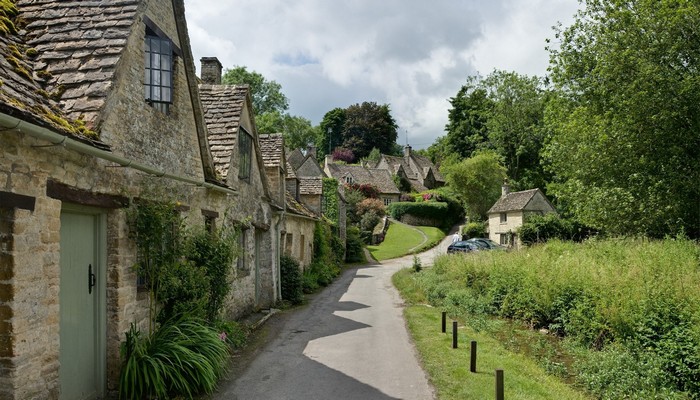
x=619, y=303
x=449, y=368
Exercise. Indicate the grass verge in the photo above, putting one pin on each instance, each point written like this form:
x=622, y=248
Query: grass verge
x=449, y=368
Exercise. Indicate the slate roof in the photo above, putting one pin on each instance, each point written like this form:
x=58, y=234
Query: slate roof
x=223, y=107
x=425, y=166
x=296, y=158
x=311, y=185
x=58, y=62
x=514, y=201
x=295, y=207
x=381, y=178
x=290, y=172
x=272, y=149
x=415, y=176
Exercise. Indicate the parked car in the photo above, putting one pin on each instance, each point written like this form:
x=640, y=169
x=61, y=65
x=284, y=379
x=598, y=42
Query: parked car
x=486, y=244
x=462, y=246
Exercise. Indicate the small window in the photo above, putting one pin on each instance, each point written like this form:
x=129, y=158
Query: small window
x=289, y=241
x=302, y=249
x=504, y=217
x=245, y=147
x=504, y=239
x=158, y=75
x=348, y=180
x=387, y=201
x=242, y=244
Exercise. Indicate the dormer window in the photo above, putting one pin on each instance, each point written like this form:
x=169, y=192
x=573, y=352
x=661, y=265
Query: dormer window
x=158, y=77
x=348, y=180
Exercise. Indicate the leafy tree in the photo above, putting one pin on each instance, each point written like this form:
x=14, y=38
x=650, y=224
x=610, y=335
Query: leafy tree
x=298, y=131
x=267, y=95
x=503, y=112
x=477, y=182
x=625, y=146
x=466, y=129
x=369, y=125
x=331, y=131
x=516, y=125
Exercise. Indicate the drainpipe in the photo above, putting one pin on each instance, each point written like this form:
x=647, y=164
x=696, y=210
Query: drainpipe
x=12, y=123
x=278, y=236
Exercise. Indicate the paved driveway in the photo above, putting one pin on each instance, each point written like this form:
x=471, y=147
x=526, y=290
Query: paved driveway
x=349, y=342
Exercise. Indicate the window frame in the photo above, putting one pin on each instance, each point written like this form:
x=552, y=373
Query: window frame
x=245, y=154
x=504, y=217
x=153, y=33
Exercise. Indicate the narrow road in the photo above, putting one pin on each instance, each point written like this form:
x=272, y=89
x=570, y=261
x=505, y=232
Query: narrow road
x=349, y=342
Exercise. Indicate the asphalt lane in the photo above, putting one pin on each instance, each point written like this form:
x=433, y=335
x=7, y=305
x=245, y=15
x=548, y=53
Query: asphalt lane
x=349, y=342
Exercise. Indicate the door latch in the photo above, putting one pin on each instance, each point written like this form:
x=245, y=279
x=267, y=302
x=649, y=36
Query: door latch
x=91, y=279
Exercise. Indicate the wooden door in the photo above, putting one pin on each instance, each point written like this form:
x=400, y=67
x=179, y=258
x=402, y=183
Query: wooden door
x=81, y=298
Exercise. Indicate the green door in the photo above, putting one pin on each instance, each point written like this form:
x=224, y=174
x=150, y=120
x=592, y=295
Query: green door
x=81, y=357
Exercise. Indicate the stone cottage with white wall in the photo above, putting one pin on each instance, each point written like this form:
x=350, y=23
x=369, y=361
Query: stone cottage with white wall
x=512, y=210
x=99, y=105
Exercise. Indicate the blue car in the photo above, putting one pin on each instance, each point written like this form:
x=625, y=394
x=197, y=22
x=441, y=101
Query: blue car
x=486, y=244
x=463, y=246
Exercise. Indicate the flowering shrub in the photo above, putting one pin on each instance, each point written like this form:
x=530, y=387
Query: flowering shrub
x=375, y=205
x=343, y=154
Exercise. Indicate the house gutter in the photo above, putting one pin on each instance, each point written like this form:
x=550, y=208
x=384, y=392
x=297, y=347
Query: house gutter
x=11, y=123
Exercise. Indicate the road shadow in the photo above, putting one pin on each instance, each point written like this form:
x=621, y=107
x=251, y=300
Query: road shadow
x=277, y=368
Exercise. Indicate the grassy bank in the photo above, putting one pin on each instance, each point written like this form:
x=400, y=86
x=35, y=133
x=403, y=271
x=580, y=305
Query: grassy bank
x=448, y=368
x=402, y=239
x=625, y=312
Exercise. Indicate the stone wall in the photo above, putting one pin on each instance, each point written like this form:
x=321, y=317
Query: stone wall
x=298, y=227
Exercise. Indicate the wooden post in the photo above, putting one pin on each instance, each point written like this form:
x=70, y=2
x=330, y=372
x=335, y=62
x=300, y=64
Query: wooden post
x=472, y=361
x=499, y=384
x=454, y=334
x=444, y=321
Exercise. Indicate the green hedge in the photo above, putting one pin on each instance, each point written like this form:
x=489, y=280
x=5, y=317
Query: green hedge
x=428, y=209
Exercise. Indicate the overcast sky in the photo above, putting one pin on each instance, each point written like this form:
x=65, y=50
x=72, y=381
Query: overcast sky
x=411, y=54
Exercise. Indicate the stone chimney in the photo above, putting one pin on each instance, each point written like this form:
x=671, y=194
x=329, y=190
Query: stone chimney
x=407, y=151
x=311, y=150
x=505, y=189
x=211, y=70
x=328, y=160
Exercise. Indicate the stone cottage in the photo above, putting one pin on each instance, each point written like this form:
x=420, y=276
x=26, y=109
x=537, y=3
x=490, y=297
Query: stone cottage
x=512, y=210
x=299, y=222
x=99, y=105
x=238, y=160
x=358, y=174
x=418, y=170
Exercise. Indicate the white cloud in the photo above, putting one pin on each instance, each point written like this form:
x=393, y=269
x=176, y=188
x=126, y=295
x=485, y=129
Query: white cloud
x=411, y=54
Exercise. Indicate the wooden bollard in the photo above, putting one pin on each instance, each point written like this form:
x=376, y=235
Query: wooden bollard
x=444, y=321
x=454, y=334
x=472, y=358
x=499, y=384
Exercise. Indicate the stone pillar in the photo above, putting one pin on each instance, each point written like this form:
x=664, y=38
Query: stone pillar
x=211, y=70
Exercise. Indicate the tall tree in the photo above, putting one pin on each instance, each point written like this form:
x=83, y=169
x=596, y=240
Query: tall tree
x=516, y=125
x=477, y=182
x=267, y=95
x=298, y=131
x=369, y=125
x=466, y=129
x=625, y=146
x=331, y=131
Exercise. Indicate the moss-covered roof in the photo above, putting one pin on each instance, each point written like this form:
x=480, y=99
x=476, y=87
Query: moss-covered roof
x=59, y=58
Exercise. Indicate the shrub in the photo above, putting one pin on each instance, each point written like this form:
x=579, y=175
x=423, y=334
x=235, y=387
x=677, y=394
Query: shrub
x=417, y=266
x=371, y=204
x=368, y=191
x=325, y=265
x=354, y=246
x=183, y=357
x=475, y=229
x=292, y=285
x=542, y=228
x=182, y=289
x=369, y=220
x=343, y=154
